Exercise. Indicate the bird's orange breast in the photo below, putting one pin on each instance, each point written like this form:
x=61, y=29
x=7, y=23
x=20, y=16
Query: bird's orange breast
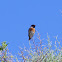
x=32, y=29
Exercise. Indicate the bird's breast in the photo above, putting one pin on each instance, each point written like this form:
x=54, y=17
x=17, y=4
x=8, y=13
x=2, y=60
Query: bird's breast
x=32, y=29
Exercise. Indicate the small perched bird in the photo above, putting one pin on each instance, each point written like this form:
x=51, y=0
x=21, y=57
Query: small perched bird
x=31, y=31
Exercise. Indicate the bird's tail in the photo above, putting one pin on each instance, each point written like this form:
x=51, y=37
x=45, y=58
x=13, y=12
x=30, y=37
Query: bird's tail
x=29, y=38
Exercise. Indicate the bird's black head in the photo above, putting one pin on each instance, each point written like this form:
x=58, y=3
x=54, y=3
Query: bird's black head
x=33, y=26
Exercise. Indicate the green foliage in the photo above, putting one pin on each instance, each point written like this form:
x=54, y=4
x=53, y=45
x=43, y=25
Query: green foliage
x=4, y=45
x=5, y=56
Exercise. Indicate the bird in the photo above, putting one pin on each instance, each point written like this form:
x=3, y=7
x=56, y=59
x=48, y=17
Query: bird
x=31, y=31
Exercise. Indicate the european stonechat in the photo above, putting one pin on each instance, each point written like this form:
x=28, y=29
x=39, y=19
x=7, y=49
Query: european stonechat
x=31, y=31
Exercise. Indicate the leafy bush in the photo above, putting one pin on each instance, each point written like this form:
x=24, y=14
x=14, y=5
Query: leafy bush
x=5, y=56
x=37, y=52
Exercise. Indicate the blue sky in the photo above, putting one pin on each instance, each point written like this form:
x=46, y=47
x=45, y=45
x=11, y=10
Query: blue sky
x=16, y=16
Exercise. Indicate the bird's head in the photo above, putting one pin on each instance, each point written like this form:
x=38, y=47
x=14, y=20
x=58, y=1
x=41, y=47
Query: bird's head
x=33, y=26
